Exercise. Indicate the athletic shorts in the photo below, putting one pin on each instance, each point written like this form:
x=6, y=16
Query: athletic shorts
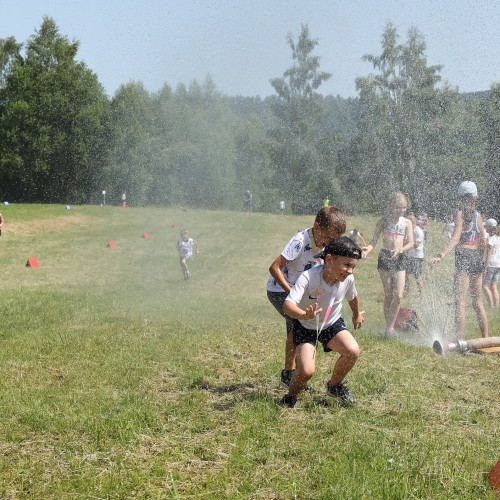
x=414, y=266
x=386, y=263
x=302, y=335
x=492, y=275
x=469, y=260
x=277, y=299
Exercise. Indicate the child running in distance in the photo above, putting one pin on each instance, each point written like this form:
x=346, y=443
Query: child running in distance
x=315, y=304
x=468, y=242
x=297, y=257
x=397, y=238
x=492, y=274
x=185, y=246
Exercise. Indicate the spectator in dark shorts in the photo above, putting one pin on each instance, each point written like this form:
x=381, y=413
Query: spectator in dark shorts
x=415, y=258
x=469, y=243
x=315, y=304
x=397, y=238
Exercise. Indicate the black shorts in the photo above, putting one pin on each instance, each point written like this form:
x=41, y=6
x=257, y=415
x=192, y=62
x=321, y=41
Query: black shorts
x=302, y=335
x=469, y=260
x=277, y=299
x=387, y=263
x=414, y=266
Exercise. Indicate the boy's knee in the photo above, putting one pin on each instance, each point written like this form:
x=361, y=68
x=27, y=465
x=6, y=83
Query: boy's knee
x=354, y=352
x=306, y=373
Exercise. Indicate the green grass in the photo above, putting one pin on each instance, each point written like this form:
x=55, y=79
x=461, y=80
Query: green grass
x=118, y=379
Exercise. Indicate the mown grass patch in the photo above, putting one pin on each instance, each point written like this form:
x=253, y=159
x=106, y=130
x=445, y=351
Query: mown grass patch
x=119, y=379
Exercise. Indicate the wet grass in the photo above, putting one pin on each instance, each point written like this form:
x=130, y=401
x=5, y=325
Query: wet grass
x=118, y=379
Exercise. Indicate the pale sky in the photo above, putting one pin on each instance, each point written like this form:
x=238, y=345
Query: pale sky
x=242, y=43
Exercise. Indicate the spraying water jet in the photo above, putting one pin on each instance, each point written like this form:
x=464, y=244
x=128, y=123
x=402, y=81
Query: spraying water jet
x=464, y=346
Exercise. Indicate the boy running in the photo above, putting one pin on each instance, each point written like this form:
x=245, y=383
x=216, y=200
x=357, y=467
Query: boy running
x=315, y=304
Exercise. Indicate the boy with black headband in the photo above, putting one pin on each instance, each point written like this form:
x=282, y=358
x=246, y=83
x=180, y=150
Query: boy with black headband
x=315, y=303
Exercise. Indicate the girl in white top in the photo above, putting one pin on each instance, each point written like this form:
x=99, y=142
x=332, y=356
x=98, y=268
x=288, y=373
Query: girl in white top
x=492, y=274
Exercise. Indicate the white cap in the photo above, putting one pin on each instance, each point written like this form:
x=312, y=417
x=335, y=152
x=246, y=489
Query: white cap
x=490, y=223
x=467, y=187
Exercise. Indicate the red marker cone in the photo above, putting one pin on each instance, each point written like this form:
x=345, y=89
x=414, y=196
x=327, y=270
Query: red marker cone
x=111, y=244
x=494, y=477
x=32, y=262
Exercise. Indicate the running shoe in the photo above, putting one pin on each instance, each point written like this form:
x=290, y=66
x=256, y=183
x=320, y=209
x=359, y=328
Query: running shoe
x=342, y=393
x=288, y=401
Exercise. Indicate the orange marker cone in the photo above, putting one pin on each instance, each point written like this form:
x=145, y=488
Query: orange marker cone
x=111, y=244
x=145, y=235
x=32, y=262
x=494, y=477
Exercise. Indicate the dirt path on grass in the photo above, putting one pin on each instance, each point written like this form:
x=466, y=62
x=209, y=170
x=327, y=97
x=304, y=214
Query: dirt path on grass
x=54, y=224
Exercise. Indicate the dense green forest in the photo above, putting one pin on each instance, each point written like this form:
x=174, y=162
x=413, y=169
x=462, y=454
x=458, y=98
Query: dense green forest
x=63, y=140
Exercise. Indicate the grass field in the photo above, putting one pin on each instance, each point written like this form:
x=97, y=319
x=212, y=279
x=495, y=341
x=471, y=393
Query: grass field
x=121, y=380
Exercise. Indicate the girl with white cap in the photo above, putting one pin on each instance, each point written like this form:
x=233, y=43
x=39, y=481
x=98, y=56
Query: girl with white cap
x=469, y=243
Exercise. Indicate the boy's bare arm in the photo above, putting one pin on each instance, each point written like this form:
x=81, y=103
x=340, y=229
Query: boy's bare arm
x=295, y=312
x=275, y=270
x=454, y=239
x=357, y=316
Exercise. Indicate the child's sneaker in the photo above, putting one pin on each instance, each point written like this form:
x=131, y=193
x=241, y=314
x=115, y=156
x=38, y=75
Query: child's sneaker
x=342, y=393
x=286, y=377
x=288, y=401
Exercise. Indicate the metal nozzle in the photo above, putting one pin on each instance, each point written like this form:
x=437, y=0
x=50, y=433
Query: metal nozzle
x=441, y=349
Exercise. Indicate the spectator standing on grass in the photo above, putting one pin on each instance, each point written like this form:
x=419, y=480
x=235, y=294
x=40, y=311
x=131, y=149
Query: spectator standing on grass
x=424, y=223
x=315, y=304
x=449, y=227
x=492, y=273
x=468, y=241
x=185, y=248
x=248, y=198
x=357, y=237
x=326, y=201
x=397, y=238
x=415, y=259
x=297, y=257
x=282, y=207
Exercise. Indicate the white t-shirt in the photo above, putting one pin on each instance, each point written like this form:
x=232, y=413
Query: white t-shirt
x=282, y=205
x=494, y=241
x=185, y=248
x=307, y=288
x=418, y=237
x=299, y=253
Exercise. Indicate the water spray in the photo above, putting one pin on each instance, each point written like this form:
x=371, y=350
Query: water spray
x=465, y=346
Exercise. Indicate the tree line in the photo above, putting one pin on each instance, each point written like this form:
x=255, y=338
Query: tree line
x=63, y=140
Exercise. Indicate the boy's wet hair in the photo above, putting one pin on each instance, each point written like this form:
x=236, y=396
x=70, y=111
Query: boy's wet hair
x=342, y=246
x=331, y=218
